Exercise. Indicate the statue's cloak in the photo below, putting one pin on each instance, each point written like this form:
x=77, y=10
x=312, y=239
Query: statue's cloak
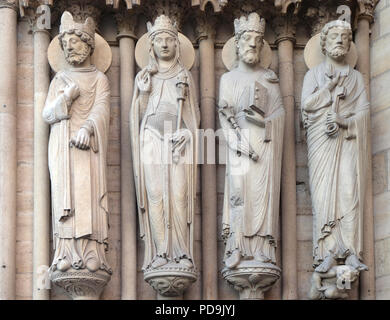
x=337, y=164
x=78, y=177
x=141, y=108
x=252, y=189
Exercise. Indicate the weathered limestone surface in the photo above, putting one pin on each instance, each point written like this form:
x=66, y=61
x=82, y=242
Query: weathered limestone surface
x=380, y=109
x=380, y=112
x=25, y=163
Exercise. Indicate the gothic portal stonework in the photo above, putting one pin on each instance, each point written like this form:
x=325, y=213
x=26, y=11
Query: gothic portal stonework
x=114, y=248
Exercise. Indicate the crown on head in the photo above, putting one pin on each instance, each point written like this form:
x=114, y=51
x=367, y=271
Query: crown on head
x=68, y=24
x=162, y=24
x=252, y=23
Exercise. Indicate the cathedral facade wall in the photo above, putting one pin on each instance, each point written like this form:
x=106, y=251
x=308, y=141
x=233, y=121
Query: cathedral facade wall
x=380, y=113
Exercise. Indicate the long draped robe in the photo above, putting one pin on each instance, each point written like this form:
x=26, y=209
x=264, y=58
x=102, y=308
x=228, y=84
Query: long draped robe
x=337, y=164
x=78, y=177
x=252, y=189
x=166, y=191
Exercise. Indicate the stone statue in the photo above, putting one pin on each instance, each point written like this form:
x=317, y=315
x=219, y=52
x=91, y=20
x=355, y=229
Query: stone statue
x=252, y=118
x=336, y=116
x=78, y=110
x=164, y=118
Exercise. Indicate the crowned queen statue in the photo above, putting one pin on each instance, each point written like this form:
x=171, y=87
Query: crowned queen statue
x=164, y=118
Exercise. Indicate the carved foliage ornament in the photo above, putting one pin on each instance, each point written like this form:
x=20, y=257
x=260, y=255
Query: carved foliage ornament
x=174, y=10
x=285, y=28
x=81, y=10
x=11, y=4
x=81, y=284
x=366, y=9
x=126, y=23
x=205, y=26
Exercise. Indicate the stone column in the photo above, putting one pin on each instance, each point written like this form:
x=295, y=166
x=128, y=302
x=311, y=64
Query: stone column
x=285, y=40
x=41, y=251
x=362, y=39
x=205, y=34
x=126, y=37
x=8, y=100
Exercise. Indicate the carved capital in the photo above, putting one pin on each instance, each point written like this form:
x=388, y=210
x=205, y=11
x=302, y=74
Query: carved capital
x=283, y=5
x=126, y=24
x=316, y=18
x=176, y=11
x=285, y=28
x=82, y=9
x=366, y=9
x=10, y=4
x=205, y=26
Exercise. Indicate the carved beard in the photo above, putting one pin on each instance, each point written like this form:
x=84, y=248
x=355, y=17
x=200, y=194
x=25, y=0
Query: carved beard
x=337, y=52
x=249, y=57
x=76, y=58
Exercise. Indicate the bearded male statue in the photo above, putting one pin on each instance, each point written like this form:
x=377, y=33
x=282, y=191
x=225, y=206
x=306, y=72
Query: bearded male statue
x=252, y=118
x=336, y=116
x=78, y=110
x=164, y=118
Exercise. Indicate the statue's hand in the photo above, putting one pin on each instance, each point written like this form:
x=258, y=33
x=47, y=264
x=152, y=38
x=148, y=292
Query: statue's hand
x=82, y=140
x=72, y=92
x=179, y=140
x=332, y=83
x=144, y=81
x=333, y=117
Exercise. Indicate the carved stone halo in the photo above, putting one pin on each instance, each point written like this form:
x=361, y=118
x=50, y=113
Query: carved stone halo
x=314, y=56
x=187, y=52
x=101, y=57
x=229, y=56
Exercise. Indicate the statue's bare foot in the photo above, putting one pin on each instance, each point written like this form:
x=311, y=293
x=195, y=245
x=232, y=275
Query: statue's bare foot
x=233, y=260
x=326, y=264
x=159, y=262
x=186, y=263
x=354, y=262
x=262, y=258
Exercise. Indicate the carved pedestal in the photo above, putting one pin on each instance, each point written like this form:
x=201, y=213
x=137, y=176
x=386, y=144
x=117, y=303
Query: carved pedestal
x=251, y=278
x=81, y=284
x=170, y=281
x=338, y=283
